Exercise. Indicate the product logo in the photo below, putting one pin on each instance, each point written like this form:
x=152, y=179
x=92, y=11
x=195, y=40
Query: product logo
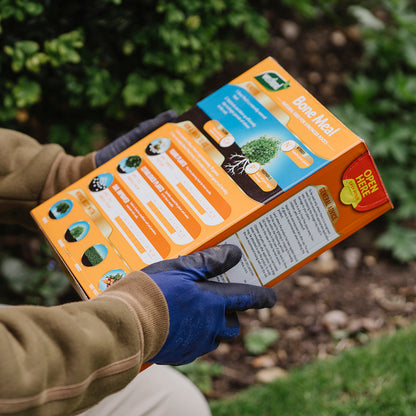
x=272, y=81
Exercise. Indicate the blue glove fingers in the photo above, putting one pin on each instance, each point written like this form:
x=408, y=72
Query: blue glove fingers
x=240, y=296
x=250, y=297
x=200, y=265
x=202, y=312
x=231, y=328
x=141, y=130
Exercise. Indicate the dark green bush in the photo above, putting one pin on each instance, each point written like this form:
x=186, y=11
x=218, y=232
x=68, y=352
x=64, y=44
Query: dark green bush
x=382, y=110
x=76, y=72
x=31, y=276
x=73, y=69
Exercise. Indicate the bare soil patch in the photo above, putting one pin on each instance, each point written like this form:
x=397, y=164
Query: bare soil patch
x=341, y=300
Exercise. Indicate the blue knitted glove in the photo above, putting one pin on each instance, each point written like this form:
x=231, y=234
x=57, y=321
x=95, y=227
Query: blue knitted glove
x=201, y=312
x=141, y=130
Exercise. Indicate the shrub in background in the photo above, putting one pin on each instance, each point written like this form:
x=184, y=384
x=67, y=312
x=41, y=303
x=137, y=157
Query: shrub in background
x=77, y=72
x=382, y=110
x=33, y=277
x=71, y=68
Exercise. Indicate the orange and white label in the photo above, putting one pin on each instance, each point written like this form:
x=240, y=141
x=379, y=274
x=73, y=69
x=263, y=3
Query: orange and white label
x=297, y=153
x=202, y=141
x=282, y=238
x=219, y=133
x=260, y=176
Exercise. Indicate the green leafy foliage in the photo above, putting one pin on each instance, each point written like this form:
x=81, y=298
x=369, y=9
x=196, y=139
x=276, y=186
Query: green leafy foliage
x=25, y=54
x=25, y=92
x=20, y=9
x=310, y=10
x=32, y=285
x=400, y=241
x=64, y=48
x=382, y=108
x=72, y=63
x=306, y=7
x=201, y=373
x=257, y=341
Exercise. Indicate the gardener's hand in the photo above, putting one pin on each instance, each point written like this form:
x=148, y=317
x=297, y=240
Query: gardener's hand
x=201, y=312
x=123, y=142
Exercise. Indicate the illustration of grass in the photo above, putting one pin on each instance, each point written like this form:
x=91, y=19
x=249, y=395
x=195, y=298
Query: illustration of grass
x=92, y=257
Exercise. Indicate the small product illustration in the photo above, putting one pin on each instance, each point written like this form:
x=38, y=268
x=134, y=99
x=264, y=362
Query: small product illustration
x=77, y=231
x=129, y=164
x=110, y=278
x=158, y=146
x=60, y=209
x=297, y=153
x=101, y=182
x=272, y=81
x=94, y=255
x=261, y=151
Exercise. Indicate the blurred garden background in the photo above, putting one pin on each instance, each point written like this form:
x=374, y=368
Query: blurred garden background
x=82, y=73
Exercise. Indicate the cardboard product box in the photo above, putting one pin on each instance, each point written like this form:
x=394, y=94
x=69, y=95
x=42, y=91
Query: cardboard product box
x=259, y=163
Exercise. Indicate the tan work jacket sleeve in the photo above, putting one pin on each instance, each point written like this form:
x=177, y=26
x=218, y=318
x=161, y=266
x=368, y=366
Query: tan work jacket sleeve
x=31, y=172
x=60, y=360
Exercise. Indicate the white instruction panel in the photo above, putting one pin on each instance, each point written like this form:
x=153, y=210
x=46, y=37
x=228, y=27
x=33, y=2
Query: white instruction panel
x=281, y=238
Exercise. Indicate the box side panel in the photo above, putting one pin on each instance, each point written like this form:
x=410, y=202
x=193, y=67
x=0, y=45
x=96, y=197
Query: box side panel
x=309, y=219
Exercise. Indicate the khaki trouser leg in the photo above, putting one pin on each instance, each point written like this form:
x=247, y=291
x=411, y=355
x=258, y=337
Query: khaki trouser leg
x=157, y=391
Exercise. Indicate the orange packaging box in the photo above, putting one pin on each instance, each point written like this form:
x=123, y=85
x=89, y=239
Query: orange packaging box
x=258, y=163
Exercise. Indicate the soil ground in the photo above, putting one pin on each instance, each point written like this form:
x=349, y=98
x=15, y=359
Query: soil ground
x=343, y=299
